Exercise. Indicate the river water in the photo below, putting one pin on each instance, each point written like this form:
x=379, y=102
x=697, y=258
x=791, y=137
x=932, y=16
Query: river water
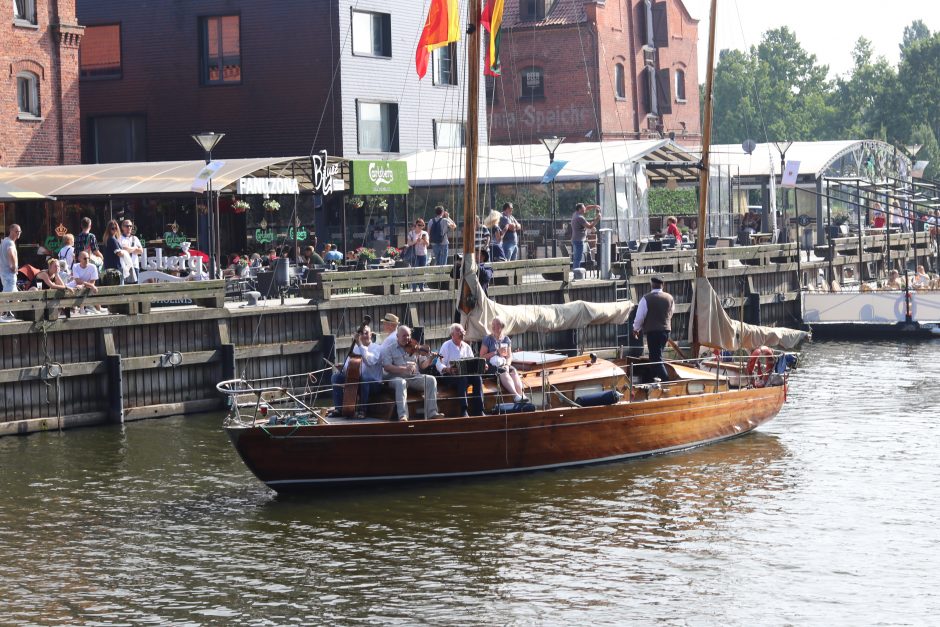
x=827, y=515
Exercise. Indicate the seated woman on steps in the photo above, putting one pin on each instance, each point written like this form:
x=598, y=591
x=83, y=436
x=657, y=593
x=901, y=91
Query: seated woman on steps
x=497, y=351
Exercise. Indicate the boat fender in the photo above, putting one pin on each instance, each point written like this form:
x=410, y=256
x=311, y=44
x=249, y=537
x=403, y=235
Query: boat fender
x=512, y=408
x=596, y=399
x=760, y=365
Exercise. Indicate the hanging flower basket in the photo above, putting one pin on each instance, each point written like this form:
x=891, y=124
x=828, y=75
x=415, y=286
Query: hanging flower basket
x=271, y=205
x=240, y=206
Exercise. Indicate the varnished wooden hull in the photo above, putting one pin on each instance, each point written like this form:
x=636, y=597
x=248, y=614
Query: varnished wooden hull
x=293, y=458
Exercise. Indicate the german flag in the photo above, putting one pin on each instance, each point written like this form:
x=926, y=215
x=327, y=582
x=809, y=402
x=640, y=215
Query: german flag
x=441, y=28
x=492, y=20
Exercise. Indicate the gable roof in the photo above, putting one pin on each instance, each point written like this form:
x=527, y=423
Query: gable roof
x=563, y=12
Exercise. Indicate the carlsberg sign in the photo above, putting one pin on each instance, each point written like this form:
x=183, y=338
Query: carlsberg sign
x=379, y=177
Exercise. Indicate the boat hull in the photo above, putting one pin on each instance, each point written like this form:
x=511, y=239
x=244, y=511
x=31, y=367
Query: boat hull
x=298, y=458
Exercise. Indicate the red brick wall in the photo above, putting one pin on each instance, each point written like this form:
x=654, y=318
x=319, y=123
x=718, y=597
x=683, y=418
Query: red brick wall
x=578, y=62
x=287, y=61
x=51, y=52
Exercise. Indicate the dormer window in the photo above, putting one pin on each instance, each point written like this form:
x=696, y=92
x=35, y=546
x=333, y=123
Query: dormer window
x=534, y=10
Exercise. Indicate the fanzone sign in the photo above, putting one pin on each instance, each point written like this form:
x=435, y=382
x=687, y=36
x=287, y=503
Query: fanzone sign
x=268, y=186
x=379, y=177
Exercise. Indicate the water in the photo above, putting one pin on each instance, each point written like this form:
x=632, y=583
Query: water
x=828, y=515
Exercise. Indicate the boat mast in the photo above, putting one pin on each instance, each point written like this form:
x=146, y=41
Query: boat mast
x=704, y=171
x=470, y=192
x=706, y=145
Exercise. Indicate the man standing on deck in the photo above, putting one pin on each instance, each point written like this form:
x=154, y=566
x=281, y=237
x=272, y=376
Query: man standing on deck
x=579, y=230
x=654, y=318
x=439, y=228
x=9, y=263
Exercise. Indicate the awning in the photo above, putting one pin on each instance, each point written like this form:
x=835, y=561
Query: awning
x=12, y=193
x=153, y=177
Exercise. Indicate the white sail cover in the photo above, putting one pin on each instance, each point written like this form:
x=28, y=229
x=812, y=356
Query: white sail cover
x=542, y=318
x=717, y=330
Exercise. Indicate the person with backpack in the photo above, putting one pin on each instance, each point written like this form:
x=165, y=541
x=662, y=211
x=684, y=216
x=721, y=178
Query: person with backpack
x=438, y=228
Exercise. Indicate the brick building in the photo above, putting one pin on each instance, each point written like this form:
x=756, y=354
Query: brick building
x=39, y=118
x=592, y=70
x=282, y=78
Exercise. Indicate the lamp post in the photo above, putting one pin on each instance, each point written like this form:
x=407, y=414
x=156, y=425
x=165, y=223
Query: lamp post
x=207, y=141
x=782, y=147
x=551, y=144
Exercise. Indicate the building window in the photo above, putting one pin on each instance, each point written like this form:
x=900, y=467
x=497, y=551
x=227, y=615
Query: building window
x=221, y=50
x=620, y=88
x=535, y=9
x=24, y=11
x=653, y=21
x=378, y=126
x=680, y=85
x=372, y=34
x=27, y=95
x=445, y=65
x=533, y=83
x=100, y=53
x=449, y=134
x=117, y=139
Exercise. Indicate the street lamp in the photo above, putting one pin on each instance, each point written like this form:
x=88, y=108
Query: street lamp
x=551, y=144
x=782, y=147
x=207, y=141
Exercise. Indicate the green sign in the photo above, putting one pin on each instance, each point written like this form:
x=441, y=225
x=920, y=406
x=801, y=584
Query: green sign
x=264, y=236
x=373, y=178
x=174, y=240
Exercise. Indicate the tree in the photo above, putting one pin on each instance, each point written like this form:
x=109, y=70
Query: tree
x=919, y=80
x=735, y=117
x=929, y=151
x=862, y=100
x=912, y=34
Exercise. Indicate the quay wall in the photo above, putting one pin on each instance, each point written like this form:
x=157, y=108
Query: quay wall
x=145, y=361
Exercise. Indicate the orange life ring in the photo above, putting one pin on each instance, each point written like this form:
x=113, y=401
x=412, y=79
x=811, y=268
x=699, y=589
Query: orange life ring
x=760, y=365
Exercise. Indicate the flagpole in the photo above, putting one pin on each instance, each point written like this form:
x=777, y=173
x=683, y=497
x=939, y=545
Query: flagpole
x=473, y=114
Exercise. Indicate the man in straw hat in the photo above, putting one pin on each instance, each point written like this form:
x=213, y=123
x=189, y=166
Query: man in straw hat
x=654, y=318
x=389, y=328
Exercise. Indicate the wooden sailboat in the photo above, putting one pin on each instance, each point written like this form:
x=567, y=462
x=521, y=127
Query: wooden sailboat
x=290, y=445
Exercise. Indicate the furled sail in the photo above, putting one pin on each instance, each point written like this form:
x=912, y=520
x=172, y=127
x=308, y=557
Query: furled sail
x=717, y=330
x=542, y=318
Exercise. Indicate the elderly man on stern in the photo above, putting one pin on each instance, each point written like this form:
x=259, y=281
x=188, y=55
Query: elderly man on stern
x=402, y=372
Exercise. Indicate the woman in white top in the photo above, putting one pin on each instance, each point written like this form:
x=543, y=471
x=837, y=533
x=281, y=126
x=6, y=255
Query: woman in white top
x=418, y=238
x=497, y=351
x=67, y=252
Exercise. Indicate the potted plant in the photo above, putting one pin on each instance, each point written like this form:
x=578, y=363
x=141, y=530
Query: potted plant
x=365, y=255
x=240, y=206
x=271, y=205
x=837, y=225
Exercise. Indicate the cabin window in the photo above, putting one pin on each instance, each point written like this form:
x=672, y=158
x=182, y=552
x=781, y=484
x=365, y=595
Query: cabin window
x=372, y=34
x=117, y=139
x=27, y=95
x=448, y=134
x=535, y=9
x=445, y=64
x=378, y=126
x=24, y=11
x=680, y=85
x=221, y=50
x=533, y=83
x=620, y=89
x=100, y=53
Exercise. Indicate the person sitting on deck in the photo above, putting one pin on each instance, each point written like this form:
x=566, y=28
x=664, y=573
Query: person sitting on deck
x=453, y=349
x=370, y=375
x=402, y=372
x=85, y=275
x=894, y=281
x=49, y=278
x=497, y=350
x=673, y=230
x=390, y=329
x=921, y=280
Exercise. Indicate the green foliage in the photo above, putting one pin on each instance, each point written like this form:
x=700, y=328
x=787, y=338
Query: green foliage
x=673, y=202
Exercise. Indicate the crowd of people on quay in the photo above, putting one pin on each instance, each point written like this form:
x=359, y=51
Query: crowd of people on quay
x=402, y=364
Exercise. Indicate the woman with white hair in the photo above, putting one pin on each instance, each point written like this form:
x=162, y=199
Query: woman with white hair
x=497, y=350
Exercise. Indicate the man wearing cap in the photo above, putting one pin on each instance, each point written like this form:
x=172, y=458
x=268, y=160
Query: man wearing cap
x=654, y=318
x=389, y=328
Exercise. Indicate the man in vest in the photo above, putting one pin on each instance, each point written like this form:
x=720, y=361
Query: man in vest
x=438, y=231
x=654, y=318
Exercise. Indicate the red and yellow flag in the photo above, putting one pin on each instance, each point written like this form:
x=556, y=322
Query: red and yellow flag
x=492, y=20
x=441, y=28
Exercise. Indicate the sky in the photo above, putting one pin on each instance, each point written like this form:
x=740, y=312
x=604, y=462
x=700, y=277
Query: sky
x=826, y=28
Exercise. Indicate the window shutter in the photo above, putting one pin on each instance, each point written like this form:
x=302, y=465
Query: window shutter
x=663, y=96
x=641, y=22
x=660, y=26
x=649, y=89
